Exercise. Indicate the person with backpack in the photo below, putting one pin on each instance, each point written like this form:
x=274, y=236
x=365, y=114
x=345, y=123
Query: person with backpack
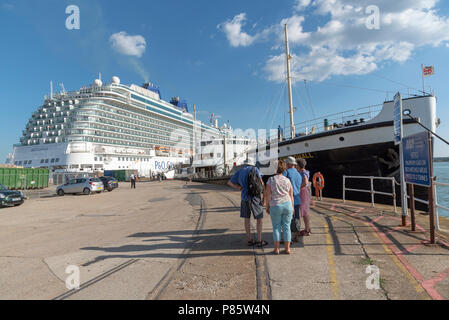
x=280, y=205
x=249, y=181
x=296, y=180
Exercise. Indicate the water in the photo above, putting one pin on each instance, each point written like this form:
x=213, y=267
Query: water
x=442, y=172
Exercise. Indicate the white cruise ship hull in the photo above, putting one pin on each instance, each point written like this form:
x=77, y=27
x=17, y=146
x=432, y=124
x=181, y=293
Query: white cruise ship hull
x=80, y=157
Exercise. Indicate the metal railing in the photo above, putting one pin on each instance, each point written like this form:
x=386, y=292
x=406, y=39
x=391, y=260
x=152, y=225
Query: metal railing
x=393, y=193
x=372, y=191
x=317, y=125
x=437, y=205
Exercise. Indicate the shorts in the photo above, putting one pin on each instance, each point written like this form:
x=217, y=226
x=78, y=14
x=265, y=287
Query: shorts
x=253, y=205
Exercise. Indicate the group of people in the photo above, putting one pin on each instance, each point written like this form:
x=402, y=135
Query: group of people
x=285, y=196
x=158, y=176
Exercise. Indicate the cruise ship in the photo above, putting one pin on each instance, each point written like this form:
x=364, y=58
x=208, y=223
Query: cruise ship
x=110, y=127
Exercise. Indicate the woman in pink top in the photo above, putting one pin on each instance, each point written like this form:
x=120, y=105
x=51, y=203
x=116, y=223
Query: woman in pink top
x=279, y=203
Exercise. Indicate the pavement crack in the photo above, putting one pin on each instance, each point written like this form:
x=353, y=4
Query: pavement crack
x=51, y=271
x=360, y=243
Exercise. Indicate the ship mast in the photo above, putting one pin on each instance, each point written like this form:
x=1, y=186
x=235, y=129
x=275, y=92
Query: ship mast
x=289, y=80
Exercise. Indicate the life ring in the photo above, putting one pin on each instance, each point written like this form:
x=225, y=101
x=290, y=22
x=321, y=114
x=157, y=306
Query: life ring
x=318, y=182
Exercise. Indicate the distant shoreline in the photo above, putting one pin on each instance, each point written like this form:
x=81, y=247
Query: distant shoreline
x=444, y=159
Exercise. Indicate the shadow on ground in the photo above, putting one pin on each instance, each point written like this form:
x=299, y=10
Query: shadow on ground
x=207, y=243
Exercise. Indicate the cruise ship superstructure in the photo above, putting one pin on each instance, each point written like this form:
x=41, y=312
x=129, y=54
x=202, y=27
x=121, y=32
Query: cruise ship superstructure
x=110, y=127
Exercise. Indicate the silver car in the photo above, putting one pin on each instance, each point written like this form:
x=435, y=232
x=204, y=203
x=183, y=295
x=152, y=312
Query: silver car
x=81, y=185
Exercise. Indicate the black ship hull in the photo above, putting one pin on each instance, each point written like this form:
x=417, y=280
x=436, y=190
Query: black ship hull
x=377, y=160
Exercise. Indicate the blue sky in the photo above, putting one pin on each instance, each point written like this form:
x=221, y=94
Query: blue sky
x=224, y=56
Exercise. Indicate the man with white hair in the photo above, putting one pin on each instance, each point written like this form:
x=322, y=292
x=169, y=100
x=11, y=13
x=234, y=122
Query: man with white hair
x=295, y=178
x=250, y=203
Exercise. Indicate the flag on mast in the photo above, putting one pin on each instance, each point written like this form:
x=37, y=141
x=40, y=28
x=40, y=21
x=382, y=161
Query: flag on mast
x=212, y=118
x=428, y=71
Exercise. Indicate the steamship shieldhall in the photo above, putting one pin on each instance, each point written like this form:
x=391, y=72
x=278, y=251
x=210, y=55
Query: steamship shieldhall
x=355, y=143
x=358, y=147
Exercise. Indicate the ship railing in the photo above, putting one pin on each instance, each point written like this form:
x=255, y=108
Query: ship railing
x=372, y=191
x=337, y=120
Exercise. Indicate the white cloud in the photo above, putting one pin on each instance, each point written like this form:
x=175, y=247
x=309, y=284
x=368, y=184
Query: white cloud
x=128, y=45
x=234, y=34
x=302, y=4
x=319, y=65
x=296, y=33
x=343, y=45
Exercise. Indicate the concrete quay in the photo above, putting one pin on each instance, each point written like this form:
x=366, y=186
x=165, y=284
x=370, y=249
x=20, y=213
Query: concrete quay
x=186, y=241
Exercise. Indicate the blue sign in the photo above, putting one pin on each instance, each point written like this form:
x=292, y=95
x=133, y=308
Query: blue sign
x=417, y=159
x=397, y=118
x=163, y=165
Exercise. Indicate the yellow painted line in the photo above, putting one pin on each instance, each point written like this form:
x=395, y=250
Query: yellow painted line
x=331, y=263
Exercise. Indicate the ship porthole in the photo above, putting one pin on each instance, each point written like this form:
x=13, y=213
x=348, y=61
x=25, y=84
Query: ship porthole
x=307, y=145
x=342, y=138
x=288, y=148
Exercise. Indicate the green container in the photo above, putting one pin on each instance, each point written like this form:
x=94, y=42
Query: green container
x=12, y=177
x=41, y=178
x=45, y=176
x=120, y=175
x=20, y=179
x=34, y=179
x=28, y=173
x=4, y=178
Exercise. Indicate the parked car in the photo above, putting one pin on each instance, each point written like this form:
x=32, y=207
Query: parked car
x=81, y=185
x=10, y=198
x=110, y=183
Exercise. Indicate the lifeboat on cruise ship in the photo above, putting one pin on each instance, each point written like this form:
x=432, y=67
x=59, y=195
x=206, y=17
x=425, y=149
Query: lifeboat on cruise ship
x=162, y=151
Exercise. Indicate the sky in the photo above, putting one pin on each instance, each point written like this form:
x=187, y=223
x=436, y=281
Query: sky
x=226, y=57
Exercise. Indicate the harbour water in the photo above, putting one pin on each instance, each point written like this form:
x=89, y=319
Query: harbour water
x=442, y=173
